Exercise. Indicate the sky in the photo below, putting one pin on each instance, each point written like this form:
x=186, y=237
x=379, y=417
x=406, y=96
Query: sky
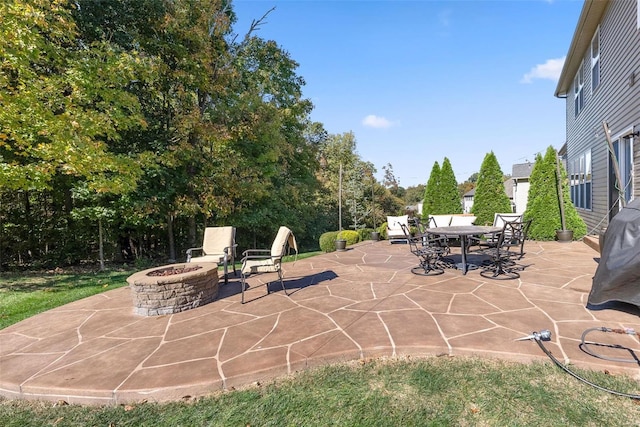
x=417, y=81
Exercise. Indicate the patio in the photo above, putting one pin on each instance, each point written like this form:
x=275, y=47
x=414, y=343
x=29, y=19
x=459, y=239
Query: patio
x=360, y=303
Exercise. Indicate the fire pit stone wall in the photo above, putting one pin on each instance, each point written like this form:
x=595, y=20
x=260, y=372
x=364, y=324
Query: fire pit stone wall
x=173, y=288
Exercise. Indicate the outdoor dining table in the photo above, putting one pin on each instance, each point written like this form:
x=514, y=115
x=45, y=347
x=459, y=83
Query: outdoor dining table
x=464, y=231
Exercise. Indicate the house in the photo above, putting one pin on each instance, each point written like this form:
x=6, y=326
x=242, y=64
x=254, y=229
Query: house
x=600, y=83
x=520, y=174
x=467, y=200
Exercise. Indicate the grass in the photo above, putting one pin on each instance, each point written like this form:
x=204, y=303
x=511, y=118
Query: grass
x=427, y=392
x=23, y=295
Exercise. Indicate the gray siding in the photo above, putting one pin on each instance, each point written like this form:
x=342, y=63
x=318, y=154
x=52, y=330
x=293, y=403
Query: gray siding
x=613, y=101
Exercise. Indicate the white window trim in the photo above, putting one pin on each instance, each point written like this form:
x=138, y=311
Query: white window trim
x=577, y=92
x=595, y=61
x=619, y=137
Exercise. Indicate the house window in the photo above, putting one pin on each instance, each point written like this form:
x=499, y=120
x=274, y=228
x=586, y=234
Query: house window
x=595, y=60
x=578, y=93
x=580, y=180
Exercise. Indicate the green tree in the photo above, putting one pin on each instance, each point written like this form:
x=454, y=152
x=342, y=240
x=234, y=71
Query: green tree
x=63, y=102
x=430, y=201
x=448, y=195
x=543, y=205
x=490, y=197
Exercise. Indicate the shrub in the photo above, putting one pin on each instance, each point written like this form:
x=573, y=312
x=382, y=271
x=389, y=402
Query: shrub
x=543, y=206
x=449, y=201
x=430, y=200
x=365, y=234
x=351, y=236
x=328, y=241
x=490, y=197
x=383, y=231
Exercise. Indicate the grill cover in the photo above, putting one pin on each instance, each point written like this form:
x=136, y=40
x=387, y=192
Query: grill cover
x=617, y=277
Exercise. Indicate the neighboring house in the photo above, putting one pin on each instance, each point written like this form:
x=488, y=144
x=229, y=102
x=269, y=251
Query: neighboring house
x=601, y=83
x=467, y=200
x=520, y=174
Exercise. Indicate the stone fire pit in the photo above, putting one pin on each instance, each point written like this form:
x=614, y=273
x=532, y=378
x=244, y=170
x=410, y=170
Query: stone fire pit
x=173, y=288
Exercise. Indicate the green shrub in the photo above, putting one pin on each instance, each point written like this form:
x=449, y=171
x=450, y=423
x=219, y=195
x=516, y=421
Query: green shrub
x=365, y=233
x=328, y=241
x=543, y=206
x=490, y=197
x=383, y=231
x=351, y=236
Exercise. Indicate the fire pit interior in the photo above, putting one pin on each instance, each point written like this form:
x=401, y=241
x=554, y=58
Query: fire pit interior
x=173, y=288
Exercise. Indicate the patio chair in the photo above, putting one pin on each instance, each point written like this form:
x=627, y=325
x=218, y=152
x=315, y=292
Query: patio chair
x=394, y=228
x=499, y=220
x=509, y=247
x=219, y=246
x=255, y=261
x=429, y=250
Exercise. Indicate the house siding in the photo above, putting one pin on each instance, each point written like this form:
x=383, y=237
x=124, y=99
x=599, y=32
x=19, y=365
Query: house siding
x=614, y=101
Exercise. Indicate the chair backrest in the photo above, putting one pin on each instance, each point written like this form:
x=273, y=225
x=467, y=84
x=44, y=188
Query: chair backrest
x=500, y=218
x=514, y=233
x=216, y=239
x=283, y=238
x=439, y=220
x=462, y=220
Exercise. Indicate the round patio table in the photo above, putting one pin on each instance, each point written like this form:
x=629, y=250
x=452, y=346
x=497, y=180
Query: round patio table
x=464, y=231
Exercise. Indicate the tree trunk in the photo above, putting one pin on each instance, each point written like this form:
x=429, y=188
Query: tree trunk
x=172, y=243
x=192, y=232
x=101, y=244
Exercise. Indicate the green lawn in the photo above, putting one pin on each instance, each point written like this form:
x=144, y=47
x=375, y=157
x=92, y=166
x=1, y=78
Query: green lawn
x=412, y=392
x=424, y=392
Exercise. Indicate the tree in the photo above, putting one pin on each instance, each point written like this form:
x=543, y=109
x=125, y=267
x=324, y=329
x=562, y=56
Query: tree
x=448, y=195
x=430, y=201
x=490, y=197
x=390, y=181
x=543, y=205
x=414, y=194
x=63, y=102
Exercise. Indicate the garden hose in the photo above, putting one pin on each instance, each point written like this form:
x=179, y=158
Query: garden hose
x=545, y=335
x=584, y=345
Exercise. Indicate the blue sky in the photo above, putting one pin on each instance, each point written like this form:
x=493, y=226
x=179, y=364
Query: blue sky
x=418, y=81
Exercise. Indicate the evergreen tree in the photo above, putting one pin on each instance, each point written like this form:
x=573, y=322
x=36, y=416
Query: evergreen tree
x=430, y=201
x=448, y=194
x=490, y=197
x=543, y=205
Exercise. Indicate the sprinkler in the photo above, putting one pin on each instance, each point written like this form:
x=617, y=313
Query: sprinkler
x=543, y=335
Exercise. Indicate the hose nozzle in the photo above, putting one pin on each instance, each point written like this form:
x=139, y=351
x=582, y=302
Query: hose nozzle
x=543, y=335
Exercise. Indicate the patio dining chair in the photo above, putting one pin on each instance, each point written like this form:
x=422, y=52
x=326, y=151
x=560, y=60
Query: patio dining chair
x=499, y=219
x=430, y=251
x=219, y=246
x=509, y=248
x=256, y=261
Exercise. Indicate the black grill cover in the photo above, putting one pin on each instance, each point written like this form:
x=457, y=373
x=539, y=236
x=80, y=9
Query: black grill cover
x=617, y=277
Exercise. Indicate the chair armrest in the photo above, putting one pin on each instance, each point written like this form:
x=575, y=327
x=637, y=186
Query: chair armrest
x=234, y=246
x=190, y=252
x=253, y=253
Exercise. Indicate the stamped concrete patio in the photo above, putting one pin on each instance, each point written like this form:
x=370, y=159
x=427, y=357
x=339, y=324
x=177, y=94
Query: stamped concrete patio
x=360, y=303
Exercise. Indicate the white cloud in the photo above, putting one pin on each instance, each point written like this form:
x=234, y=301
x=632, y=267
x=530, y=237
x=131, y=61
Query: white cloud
x=549, y=70
x=374, y=121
